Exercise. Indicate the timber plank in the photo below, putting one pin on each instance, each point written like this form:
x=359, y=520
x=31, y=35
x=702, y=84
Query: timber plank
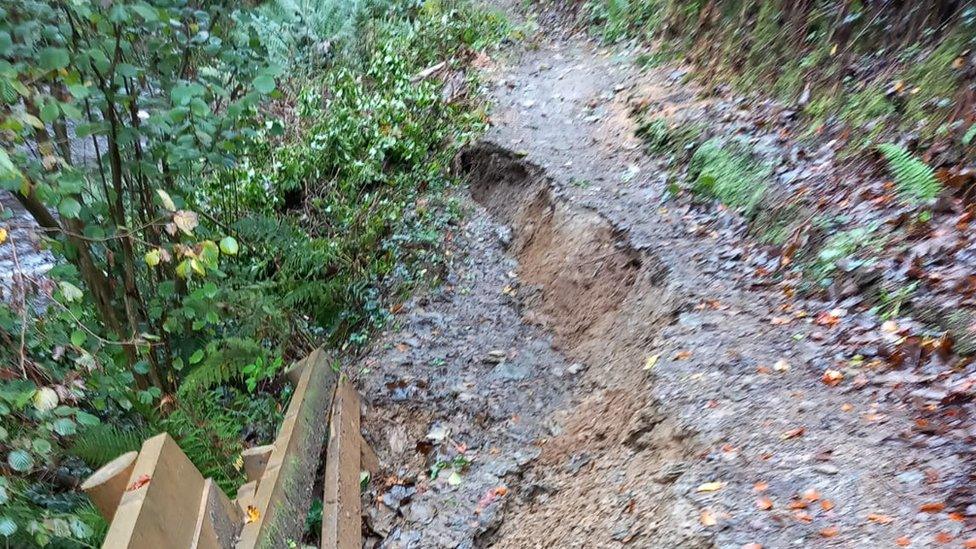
x=341, y=522
x=153, y=512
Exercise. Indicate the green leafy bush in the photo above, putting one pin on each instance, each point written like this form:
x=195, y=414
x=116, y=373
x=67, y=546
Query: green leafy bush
x=228, y=221
x=729, y=174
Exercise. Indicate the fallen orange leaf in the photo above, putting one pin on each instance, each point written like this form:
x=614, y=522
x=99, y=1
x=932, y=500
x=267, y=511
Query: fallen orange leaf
x=252, y=514
x=792, y=433
x=802, y=516
x=832, y=377
x=846, y=407
x=682, y=355
x=826, y=505
x=707, y=518
x=752, y=546
x=760, y=486
x=956, y=517
x=903, y=541
x=830, y=531
x=933, y=507
x=810, y=494
x=943, y=537
x=764, y=503
x=880, y=519
x=139, y=483
x=969, y=543
x=797, y=504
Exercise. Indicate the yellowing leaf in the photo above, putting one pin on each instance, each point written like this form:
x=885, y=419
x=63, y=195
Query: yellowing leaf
x=3, y=235
x=228, y=245
x=710, y=487
x=651, y=361
x=152, y=257
x=251, y=514
x=166, y=200
x=45, y=399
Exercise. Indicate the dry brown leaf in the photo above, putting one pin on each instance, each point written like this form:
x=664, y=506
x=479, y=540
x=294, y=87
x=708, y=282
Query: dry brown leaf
x=829, y=532
x=810, y=494
x=832, y=377
x=802, y=516
x=707, y=518
x=933, y=507
x=879, y=518
x=846, y=407
x=793, y=433
x=682, y=355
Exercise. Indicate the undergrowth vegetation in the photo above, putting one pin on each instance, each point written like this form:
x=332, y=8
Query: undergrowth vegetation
x=877, y=68
x=220, y=189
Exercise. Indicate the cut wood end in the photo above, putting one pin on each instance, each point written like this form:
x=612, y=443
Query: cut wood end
x=110, y=470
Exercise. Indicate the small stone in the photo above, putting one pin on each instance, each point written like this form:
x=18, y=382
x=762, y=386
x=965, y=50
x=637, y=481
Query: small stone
x=826, y=469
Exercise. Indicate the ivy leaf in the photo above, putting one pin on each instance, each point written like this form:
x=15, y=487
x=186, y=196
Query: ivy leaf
x=209, y=254
x=64, y=427
x=86, y=419
x=69, y=207
x=51, y=59
x=228, y=245
x=79, y=529
x=166, y=200
x=264, y=83
x=70, y=291
x=7, y=527
x=969, y=135
x=41, y=446
x=196, y=356
x=20, y=461
x=79, y=91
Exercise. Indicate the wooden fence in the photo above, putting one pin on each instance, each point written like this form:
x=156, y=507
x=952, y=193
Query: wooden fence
x=156, y=498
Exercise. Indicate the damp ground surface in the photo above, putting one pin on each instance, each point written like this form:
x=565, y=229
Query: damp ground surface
x=601, y=367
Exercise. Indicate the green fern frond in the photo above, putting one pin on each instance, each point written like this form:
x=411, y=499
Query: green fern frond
x=103, y=443
x=227, y=364
x=915, y=180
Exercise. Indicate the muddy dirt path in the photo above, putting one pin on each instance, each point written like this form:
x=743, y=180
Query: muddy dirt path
x=599, y=369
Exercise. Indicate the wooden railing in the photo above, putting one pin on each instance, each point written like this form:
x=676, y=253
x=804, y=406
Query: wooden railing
x=157, y=498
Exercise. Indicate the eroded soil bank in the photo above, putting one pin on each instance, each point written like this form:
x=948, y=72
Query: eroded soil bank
x=600, y=369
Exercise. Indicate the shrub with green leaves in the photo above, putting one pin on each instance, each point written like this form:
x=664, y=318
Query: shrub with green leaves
x=729, y=174
x=207, y=220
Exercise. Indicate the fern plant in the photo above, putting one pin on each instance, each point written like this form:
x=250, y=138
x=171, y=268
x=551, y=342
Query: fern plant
x=915, y=180
x=103, y=443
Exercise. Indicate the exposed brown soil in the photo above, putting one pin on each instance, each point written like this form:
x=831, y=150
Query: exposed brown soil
x=610, y=370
